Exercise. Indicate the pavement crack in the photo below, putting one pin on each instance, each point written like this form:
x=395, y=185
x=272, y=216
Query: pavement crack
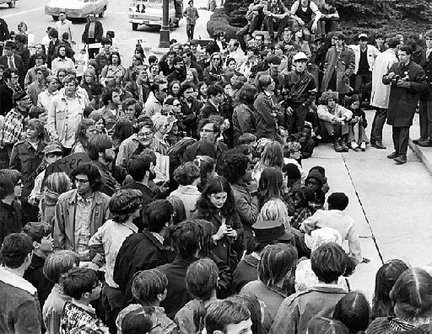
x=362, y=207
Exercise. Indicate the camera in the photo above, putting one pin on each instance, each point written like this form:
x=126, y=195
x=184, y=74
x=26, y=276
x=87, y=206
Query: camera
x=395, y=79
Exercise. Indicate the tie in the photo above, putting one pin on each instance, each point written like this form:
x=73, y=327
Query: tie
x=11, y=63
x=428, y=53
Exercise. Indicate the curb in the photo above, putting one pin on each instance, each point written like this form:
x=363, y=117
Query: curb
x=423, y=158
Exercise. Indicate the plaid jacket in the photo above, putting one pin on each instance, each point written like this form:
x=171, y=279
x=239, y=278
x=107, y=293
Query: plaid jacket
x=77, y=320
x=12, y=129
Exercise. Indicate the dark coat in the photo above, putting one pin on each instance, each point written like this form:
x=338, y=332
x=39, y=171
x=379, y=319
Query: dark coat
x=265, y=120
x=97, y=35
x=34, y=274
x=403, y=101
x=426, y=63
x=140, y=251
x=11, y=219
x=19, y=63
x=188, y=121
x=191, y=152
x=177, y=294
x=5, y=98
x=246, y=271
x=109, y=184
x=208, y=110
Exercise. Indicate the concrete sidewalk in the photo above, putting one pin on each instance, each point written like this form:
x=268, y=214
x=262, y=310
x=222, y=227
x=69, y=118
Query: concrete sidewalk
x=390, y=204
x=424, y=153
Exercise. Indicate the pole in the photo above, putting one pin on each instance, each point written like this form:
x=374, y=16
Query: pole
x=165, y=29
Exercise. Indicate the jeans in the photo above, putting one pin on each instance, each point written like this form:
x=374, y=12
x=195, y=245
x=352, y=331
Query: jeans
x=190, y=31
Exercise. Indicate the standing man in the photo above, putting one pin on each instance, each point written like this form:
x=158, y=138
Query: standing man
x=64, y=25
x=407, y=80
x=19, y=305
x=365, y=56
x=65, y=113
x=12, y=60
x=80, y=212
x=92, y=35
x=425, y=113
x=4, y=33
x=381, y=92
x=190, y=108
x=191, y=15
x=156, y=98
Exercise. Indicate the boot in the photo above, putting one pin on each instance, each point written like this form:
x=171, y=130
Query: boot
x=343, y=144
x=337, y=147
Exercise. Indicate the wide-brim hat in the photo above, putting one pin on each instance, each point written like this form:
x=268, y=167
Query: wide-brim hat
x=268, y=230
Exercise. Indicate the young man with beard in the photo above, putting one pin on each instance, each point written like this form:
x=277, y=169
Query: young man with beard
x=80, y=212
x=190, y=108
x=179, y=72
x=101, y=151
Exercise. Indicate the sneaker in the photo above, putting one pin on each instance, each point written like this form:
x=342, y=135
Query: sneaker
x=354, y=145
x=393, y=155
x=363, y=146
x=401, y=159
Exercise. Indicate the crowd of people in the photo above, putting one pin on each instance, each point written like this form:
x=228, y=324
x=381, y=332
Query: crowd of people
x=168, y=195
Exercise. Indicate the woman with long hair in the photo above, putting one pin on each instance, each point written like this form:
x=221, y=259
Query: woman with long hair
x=137, y=62
x=217, y=205
x=114, y=70
x=55, y=185
x=271, y=156
x=202, y=92
x=174, y=89
x=86, y=130
x=243, y=119
x=384, y=281
x=92, y=86
x=270, y=185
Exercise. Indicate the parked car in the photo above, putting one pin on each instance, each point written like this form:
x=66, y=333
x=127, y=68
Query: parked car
x=11, y=3
x=76, y=9
x=149, y=13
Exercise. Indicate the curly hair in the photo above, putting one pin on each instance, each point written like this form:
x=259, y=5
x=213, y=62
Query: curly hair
x=233, y=165
x=186, y=173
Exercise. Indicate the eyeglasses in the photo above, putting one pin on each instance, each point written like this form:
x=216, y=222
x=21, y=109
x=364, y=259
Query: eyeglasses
x=207, y=130
x=78, y=180
x=145, y=134
x=176, y=104
x=216, y=59
x=98, y=285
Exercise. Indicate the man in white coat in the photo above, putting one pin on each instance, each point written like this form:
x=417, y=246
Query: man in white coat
x=380, y=92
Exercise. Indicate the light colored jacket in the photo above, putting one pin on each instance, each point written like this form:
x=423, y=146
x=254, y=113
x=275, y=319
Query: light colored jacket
x=328, y=115
x=189, y=196
x=380, y=92
x=64, y=220
x=64, y=116
x=372, y=54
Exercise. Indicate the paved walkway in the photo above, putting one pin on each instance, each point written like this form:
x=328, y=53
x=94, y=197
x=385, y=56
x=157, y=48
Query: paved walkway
x=390, y=203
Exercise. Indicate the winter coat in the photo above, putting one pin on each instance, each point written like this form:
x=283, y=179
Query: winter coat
x=426, y=63
x=243, y=121
x=381, y=92
x=265, y=118
x=403, y=101
x=339, y=62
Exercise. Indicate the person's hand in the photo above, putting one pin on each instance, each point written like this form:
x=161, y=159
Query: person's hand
x=90, y=265
x=391, y=75
x=403, y=84
x=290, y=111
x=300, y=21
x=231, y=232
x=220, y=233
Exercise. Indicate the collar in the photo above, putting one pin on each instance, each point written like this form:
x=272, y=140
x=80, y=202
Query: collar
x=158, y=237
x=132, y=226
x=84, y=200
x=324, y=287
x=87, y=308
x=16, y=281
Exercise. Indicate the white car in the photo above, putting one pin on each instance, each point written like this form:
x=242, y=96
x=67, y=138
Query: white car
x=76, y=9
x=11, y=3
x=149, y=13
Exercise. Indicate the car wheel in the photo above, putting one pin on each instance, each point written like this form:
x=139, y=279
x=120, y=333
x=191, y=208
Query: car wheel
x=134, y=26
x=55, y=18
x=11, y=4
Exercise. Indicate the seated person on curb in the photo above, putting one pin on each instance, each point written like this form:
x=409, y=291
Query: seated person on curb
x=335, y=119
x=335, y=218
x=329, y=262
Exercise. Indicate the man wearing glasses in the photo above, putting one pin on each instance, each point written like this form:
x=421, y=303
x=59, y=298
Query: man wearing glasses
x=80, y=212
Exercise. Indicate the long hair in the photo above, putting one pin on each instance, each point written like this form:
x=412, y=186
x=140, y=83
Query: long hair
x=272, y=156
x=216, y=185
x=270, y=185
x=80, y=134
x=58, y=182
x=384, y=281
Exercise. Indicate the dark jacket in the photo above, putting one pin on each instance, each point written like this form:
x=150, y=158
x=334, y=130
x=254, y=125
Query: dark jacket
x=109, y=184
x=265, y=120
x=132, y=87
x=403, y=101
x=34, y=274
x=19, y=64
x=246, y=271
x=191, y=152
x=97, y=35
x=11, y=219
x=25, y=159
x=177, y=294
x=208, y=110
x=140, y=251
x=426, y=63
x=188, y=120
x=5, y=98
x=4, y=31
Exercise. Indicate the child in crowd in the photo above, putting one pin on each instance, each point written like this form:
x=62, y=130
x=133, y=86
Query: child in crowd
x=149, y=290
x=357, y=134
x=328, y=262
x=307, y=142
x=55, y=268
x=335, y=218
x=83, y=286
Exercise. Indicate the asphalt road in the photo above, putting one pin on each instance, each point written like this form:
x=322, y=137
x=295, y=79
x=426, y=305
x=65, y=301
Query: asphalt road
x=116, y=18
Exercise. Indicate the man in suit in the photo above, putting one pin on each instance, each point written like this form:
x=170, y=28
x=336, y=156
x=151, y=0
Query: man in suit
x=425, y=111
x=215, y=95
x=12, y=60
x=93, y=33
